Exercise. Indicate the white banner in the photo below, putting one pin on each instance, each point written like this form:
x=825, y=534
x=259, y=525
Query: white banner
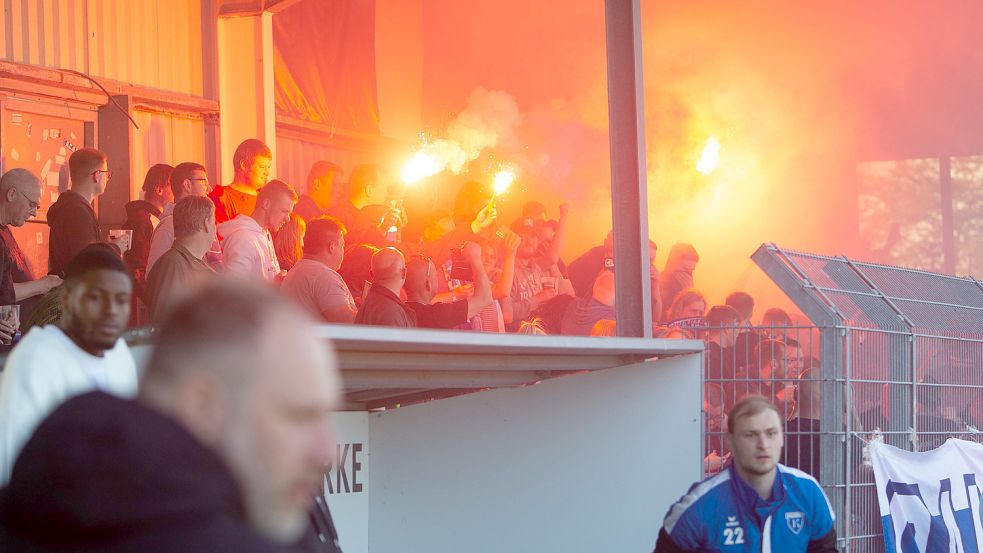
x=930, y=501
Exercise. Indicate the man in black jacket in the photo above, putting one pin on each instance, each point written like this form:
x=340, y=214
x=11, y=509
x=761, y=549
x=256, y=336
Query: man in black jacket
x=222, y=451
x=71, y=218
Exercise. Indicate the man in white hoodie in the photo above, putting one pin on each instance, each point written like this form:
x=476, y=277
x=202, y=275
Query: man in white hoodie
x=84, y=352
x=247, y=240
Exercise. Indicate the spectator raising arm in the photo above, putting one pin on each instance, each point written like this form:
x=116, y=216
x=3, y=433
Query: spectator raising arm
x=482, y=288
x=503, y=286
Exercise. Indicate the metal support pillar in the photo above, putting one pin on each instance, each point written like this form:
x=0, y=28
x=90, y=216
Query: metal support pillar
x=629, y=201
x=948, y=233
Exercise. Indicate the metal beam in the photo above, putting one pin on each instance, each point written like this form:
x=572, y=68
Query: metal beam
x=390, y=379
x=629, y=200
x=418, y=397
x=821, y=313
x=948, y=234
x=232, y=8
x=405, y=361
x=362, y=396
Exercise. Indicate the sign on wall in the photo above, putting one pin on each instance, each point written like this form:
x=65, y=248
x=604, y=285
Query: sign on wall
x=346, y=481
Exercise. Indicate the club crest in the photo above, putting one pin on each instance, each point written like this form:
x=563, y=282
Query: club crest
x=795, y=521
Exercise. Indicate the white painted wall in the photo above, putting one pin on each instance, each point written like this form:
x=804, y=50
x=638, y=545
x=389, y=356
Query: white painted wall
x=245, y=73
x=348, y=491
x=588, y=462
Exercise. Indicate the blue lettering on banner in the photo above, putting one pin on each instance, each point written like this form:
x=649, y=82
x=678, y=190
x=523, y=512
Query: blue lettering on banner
x=342, y=475
x=949, y=526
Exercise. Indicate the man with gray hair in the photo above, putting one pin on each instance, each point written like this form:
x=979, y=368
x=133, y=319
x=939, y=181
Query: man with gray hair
x=20, y=196
x=223, y=449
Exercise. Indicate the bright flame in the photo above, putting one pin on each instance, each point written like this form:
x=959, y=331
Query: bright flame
x=503, y=180
x=421, y=166
x=710, y=158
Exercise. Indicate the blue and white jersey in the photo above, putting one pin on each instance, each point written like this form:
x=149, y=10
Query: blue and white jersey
x=724, y=514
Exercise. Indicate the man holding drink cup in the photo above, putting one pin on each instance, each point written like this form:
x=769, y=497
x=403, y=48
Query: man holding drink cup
x=72, y=220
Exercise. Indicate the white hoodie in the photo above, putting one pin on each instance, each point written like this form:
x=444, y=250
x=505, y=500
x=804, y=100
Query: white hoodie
x=247, y=249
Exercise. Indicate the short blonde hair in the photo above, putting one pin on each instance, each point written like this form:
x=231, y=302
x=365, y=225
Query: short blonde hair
x=748, y=407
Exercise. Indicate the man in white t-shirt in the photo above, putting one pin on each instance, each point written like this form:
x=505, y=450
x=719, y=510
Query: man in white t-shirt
x=84, y=352
x=314, y=282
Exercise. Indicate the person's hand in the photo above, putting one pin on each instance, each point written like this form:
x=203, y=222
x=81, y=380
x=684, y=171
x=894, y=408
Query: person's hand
x=7, y=331
x=512, y=241
x=564, y=210
x=390, y=219
x=464, y=290
x=714, y=462
x=121, y=241
x=47, y=282
x=484, y=218
x=400, y=215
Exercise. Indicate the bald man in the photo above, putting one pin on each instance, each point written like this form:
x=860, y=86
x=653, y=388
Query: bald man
x=382, y=305
x=223, y=450
x=421, y=288
x=20, y=195
x=583, y=313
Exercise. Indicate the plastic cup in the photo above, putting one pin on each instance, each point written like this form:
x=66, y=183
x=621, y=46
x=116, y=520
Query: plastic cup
x=11, y=315
x=122, y=237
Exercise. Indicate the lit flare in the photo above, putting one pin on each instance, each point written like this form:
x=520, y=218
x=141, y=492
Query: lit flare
x=421, y=166
x=503, y=180
x=710, y=158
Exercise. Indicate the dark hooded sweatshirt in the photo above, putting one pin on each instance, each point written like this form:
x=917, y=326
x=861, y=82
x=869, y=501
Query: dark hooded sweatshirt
x=111, y=475
x=140, y=216
x=73, y=227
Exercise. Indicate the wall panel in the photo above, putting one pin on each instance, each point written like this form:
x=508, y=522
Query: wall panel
x=154, y=43
x=35, y=38
x=164, y=138
x=16, y=26
x=295, y=156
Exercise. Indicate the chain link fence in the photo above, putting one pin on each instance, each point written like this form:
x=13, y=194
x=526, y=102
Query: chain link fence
x=892, y=352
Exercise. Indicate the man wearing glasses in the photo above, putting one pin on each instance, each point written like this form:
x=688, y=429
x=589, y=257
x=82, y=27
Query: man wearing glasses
x=188, y=179
x=20, y=193
x=72, y=220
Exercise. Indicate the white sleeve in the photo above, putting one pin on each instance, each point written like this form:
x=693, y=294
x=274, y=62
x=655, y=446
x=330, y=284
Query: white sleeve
x=32, y=386
x=239, y=257
x=160, y=242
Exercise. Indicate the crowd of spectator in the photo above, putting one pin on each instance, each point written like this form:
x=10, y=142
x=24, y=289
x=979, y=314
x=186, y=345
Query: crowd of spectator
x=350, y=250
